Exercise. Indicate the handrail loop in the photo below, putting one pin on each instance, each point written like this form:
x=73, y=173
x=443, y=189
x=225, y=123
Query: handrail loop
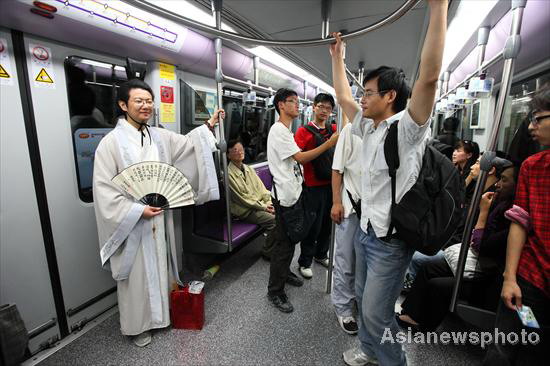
x=156, y=10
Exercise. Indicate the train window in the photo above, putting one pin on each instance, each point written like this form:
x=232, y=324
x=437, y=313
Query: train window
x=517, y=108
x=250, y=123
x=91, y=88
x=197, y=106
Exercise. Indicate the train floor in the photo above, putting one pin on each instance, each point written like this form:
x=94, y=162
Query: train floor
x=241, y=328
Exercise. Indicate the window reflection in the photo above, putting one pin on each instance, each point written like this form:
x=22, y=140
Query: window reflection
x=91, y=89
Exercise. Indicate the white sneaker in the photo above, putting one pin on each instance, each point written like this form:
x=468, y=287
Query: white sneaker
x=348, y=324
x=324, y=262
x=356, y=357
x=143, y=339
x=306, y=272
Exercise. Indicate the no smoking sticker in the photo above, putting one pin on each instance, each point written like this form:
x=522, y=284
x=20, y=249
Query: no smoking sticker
x=40, y=53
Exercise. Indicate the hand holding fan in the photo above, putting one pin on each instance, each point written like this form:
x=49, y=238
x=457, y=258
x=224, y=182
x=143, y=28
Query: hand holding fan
x=156, y=184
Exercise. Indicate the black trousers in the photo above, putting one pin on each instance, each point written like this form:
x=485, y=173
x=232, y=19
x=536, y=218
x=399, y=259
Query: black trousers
x=508, y=321
x=428, y=301
x=281, y=257
x=317, y=242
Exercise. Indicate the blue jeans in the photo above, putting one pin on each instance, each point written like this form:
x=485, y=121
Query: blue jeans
x=379, y=274
x=419, y=259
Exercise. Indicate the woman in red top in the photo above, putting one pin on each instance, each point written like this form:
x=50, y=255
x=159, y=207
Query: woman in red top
x=527, y=272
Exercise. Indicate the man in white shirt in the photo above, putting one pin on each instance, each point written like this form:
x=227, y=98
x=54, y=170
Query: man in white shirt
x=284, y=158
x=381, y=259
x=133, y=236
x=346, y=169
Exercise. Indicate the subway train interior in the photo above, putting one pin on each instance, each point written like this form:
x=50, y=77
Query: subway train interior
x=61, y=65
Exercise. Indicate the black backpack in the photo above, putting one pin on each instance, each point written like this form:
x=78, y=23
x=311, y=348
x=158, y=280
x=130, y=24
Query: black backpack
x=322, y=165
x=429, y=213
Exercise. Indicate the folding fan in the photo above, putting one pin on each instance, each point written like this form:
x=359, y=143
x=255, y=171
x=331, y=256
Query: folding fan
x=156, y=184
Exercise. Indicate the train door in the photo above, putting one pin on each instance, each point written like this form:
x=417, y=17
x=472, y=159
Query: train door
x=24, y=272
x=87, y=289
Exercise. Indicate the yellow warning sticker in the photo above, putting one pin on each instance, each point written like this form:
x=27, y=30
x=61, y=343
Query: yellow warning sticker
x=4, y=73
x=167, y=72
x=43, y=77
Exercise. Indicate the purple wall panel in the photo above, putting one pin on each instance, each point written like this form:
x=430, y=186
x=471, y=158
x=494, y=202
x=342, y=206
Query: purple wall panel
x=535, y=46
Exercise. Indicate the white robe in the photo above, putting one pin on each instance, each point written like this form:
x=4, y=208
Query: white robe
x=135, y=248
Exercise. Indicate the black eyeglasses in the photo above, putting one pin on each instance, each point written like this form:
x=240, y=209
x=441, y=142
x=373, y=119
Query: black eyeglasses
x=536, y=120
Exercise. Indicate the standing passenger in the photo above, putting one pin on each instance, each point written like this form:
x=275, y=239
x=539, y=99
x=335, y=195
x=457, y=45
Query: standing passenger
x=345, y=199
x=317, y=176
x=381, y=260
x=132, y=235
x=284, y=158
x=527, y=271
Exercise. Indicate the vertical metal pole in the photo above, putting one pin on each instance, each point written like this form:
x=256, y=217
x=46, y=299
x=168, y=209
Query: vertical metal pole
x=361, y=71
x=482, y=39
x=325, y=15
x=511, y=50
x=217, y=8
x=326, y=6
x=446, y=77
x=256, y=70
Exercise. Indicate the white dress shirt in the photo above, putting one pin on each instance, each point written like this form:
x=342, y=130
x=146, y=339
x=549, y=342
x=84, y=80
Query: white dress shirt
x=375, y=181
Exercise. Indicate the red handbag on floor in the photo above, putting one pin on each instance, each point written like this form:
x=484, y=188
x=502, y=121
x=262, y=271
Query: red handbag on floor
x=187, y=309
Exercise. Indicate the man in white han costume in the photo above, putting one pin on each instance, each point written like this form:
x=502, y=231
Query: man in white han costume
x=134, y=239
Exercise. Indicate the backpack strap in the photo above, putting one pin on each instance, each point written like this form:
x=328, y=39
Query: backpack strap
x=318, y=134
x=391, y=153
x=356, y=205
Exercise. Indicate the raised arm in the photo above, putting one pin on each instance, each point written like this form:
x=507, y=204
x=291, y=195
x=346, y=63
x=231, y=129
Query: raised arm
x=340, y=81
x=423, y=93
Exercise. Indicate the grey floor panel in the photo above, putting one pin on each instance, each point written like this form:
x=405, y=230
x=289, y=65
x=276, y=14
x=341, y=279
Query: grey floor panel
x=243, y=329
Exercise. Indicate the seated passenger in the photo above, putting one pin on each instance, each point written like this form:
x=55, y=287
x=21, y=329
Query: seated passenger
x=527, y=272
x=427, y=303
x=250, y=200
x=448, y=135
x=493, y=177
x=465, y=155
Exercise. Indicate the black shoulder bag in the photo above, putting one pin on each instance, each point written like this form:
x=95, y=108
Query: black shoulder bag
x=322, y=165
x=429, y=213
x=297, y=219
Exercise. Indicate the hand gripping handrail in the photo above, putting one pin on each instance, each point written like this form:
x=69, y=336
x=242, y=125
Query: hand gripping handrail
x=156, y=10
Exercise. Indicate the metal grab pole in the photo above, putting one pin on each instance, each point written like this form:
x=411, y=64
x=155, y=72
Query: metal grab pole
x=511, y=50
x=328, y=284
x=217, y=8
x=325, y=32
x=217, y=32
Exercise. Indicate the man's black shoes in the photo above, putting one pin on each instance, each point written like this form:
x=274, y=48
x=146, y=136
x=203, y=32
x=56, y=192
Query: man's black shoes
x=281, y=302
x=293, y=280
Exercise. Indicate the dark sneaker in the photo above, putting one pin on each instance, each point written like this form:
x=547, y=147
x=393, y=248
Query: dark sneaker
x=293, y=280
x=281, y=302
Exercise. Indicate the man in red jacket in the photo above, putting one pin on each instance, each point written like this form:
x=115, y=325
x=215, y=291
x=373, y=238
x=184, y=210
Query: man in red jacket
x=317, y=176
